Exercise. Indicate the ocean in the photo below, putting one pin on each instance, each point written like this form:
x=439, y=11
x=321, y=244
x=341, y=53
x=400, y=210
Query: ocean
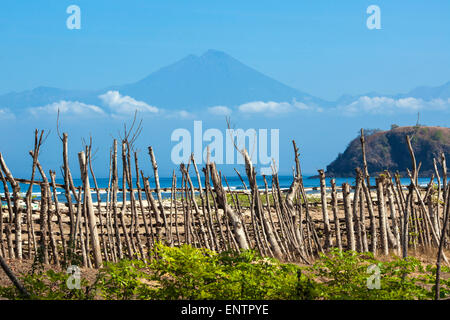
x=233, y=181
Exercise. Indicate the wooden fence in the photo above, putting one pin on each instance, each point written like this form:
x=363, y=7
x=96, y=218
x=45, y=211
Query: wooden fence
x=284, y=223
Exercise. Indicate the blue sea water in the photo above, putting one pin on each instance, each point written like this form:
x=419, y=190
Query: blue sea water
x=234, y=183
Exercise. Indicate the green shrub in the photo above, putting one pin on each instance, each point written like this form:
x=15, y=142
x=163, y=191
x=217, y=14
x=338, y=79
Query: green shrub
x=438, y=135
x=344, y=276
x=191, y=273
x=124, y=280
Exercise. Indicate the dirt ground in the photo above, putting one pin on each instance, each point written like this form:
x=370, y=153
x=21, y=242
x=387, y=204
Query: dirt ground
x=19, y=267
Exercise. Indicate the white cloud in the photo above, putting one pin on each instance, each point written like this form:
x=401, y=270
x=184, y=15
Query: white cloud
x=6, y=114
x=303, y=106
x=125, y=104
x=220, y=110
x=265, y=107
x=68, y=107
x=385, y=105
x=272, y=108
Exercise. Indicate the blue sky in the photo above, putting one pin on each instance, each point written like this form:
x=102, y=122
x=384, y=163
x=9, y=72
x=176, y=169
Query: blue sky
x=320, y=47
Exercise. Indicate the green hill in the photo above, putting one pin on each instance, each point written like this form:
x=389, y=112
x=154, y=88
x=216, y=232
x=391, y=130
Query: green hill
x=387, y=150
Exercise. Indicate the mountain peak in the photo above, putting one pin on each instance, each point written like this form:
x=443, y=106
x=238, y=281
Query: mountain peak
x=213, y=78
x=211, y=53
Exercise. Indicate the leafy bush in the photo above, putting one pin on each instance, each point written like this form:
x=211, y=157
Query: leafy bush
x=438, y=135
x=124, y=280
x=345, y=276
x=192, y=273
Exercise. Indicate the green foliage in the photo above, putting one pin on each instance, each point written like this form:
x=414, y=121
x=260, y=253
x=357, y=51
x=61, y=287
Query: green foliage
x=314, y=199
x=192, y=273
x=49, y=285
x=345, y=276
x=124, y=280
x=438, y=135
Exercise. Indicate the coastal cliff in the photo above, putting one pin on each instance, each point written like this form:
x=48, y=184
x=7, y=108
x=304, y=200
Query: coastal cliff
x=387, y=150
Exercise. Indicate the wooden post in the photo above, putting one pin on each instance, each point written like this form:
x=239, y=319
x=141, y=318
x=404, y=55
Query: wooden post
x=158, y=189
x=99, y=205
x=357, y=223
x=58, y=214
x=334, y=205
x=210, y=192
x=436, y=222
x=17, y=210
x=382, y=215
x=128, y=235
x=348, y=217
x=115, y=187
x=373, y=229
x=23, y=291
x=441, y=244
x=202, y=234
x=152, y=206
x=405, y=239
x=362, y=219
x=43, y=224
x=134, y=214
x=90, y=211
x=229, y=212
x=393, y=217
x=67, y=187
x=10, y=217
x=148, y=233
x=2, y=248
x=78, y=229
x=274, y=247
x=326, y=221
x=173, y=199
x=28, y=197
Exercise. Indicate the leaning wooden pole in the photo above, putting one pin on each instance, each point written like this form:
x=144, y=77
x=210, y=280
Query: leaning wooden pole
x=23, y=291
x=382, y=215
x=251, y=175
x=326, y=220
x=158, y=191
x=17, y=210
x=67, y=189
x=228, y=210
x=348, y=217
x=441, y=246
x=334, y=205
x=90, y=211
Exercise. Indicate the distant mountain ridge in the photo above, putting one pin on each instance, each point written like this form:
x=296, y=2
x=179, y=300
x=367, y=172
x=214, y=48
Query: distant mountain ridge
x=422, y=92
x=387, y=150
x=194, y=82
x=425, y=92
